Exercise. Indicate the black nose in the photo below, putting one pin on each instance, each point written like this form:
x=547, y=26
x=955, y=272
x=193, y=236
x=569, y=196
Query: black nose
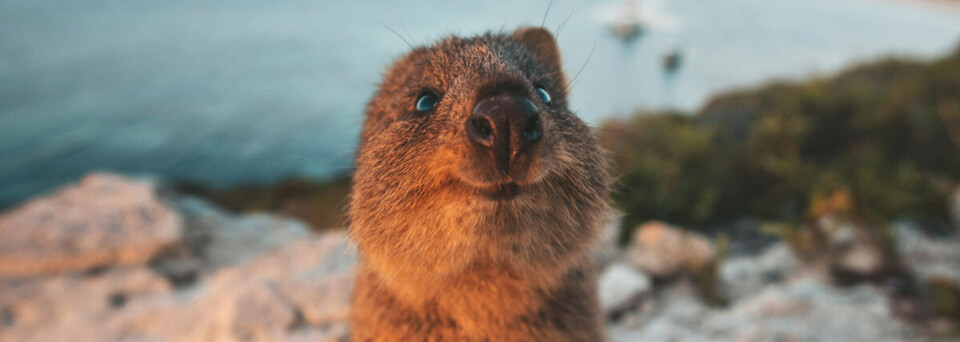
x=506, y=124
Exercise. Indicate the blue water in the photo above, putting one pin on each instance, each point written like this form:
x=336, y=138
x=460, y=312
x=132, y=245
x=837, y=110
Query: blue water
x=251, y=91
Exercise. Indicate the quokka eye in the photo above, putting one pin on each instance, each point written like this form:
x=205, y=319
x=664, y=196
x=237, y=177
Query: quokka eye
x=544, y=95
x=427, y=102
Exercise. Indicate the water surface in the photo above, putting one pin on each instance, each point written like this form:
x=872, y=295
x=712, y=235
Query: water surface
x=251, y=91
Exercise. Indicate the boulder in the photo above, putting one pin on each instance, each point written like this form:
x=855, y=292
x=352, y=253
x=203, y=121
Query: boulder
x=664, y=251
x=803, y=309
x=928, y=257
x=621, y=288
x=70, y=307
x=104, y=220
x=301, y=289
x=213, y=238
x=298, y=292
x=861, y=259
x=746, y=236
x=853, y=254
x=106, y=260
x=662, y=319
x=224, y=239
x=744, y=276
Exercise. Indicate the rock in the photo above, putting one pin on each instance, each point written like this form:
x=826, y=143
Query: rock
x=928, y=257
x=663, y=251
x=313, y=276
x=745, y=276
x=321, y=301
x=607, y=248
x=853, y=254
x=225, y=239
x=104, y=220
x=213, y=238
x=860, y=258
x=746, y=237
x=803, y=309
x=334, y=333
x=298, y=292
x=672, y=307
x=304, y=286
x=257, y=312
x=69, y=307
x=211, y=275
x=621, y=287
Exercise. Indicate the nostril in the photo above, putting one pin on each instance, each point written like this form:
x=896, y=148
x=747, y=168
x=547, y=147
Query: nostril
x=483, y=126
x=533, y=129
x=480, y=129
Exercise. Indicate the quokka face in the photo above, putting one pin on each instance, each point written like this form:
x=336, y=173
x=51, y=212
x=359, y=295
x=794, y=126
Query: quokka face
x=469, y=152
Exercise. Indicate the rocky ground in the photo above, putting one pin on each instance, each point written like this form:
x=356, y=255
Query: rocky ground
x=108, y=259
x=115, y=259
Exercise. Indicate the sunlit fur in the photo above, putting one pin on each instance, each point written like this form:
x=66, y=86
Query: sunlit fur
x=440, y=259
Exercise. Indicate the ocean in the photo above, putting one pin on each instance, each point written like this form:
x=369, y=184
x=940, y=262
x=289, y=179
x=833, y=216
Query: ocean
x=253, y=91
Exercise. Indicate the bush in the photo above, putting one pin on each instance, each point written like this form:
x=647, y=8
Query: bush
x=887, y=133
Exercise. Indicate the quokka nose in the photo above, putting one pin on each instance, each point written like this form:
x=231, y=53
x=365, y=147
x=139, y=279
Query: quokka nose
x=506, y=124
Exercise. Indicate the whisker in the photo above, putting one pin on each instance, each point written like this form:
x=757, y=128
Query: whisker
x=405, y=30
x=582, y=66
x=556, y=35
x=544, y=21
x=395, y=33
x=573, y=85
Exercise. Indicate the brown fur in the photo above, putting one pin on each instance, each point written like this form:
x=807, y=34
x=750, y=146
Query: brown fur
x=441, y=260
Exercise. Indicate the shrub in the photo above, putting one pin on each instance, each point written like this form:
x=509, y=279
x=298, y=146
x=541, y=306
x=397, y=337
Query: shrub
x=887, y=133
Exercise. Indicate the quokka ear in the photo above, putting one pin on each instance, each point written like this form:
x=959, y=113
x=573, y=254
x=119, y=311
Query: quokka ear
x=539, y=42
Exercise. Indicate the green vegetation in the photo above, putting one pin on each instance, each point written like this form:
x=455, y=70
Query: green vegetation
x=320, y=204
x=945, y=301
x=885, y=135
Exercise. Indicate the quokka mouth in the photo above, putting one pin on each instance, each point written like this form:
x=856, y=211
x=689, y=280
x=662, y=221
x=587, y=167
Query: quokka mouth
x=498, y=192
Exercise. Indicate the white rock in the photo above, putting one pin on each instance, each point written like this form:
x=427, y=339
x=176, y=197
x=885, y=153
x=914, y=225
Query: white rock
x=621, y=287
x=298, y=292
x=70, y=307
x=804, y=309
x=853, y=251
x=745, y=276
x=928, y=257
x=219, y=238
x=101, y=221
x=258, y=277
x=861, y=258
